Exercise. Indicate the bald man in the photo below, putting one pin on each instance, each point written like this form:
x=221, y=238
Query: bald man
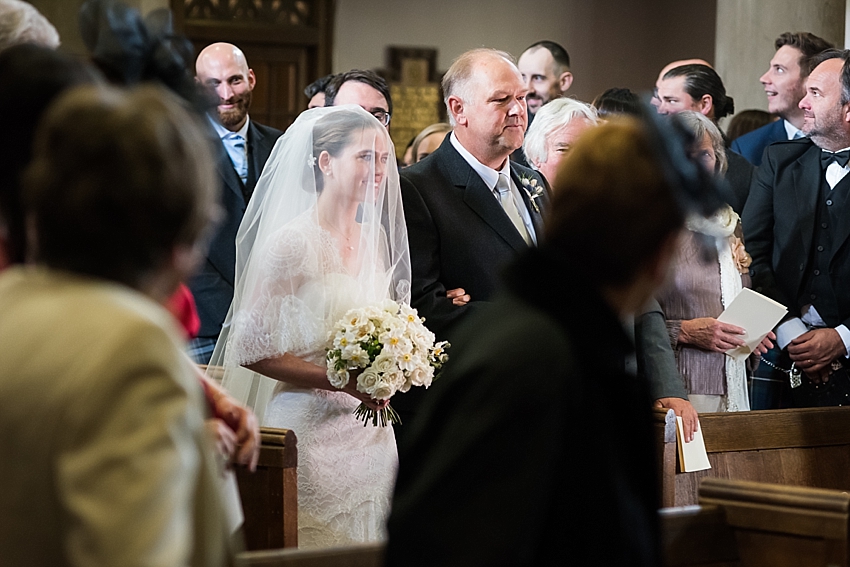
x=245, y=147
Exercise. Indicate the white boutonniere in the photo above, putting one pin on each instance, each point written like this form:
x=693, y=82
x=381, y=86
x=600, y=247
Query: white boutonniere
x=533, y=189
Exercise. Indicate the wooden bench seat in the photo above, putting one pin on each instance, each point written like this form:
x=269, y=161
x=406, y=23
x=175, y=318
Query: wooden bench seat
x=801, y=447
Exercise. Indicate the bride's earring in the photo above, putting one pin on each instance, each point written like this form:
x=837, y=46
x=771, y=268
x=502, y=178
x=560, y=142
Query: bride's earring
x=325, y=164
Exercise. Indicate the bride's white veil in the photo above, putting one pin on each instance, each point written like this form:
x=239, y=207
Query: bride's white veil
x=291, y=284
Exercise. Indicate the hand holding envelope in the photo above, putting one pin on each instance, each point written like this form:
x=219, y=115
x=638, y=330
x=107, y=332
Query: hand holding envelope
x=756, y=314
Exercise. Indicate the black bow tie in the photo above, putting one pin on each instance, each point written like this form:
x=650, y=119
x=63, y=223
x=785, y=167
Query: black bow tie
x=841, y=158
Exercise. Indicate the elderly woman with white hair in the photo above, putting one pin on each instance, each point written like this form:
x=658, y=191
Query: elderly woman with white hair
x=705, y=280
x=556, y=127
x=21, y=23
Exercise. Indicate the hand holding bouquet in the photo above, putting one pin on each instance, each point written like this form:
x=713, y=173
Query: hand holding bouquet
x=394, y=349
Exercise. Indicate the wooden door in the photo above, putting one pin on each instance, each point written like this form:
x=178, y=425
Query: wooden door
x=287, y=44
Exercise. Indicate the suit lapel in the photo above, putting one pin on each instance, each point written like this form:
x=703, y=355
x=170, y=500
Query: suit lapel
x=228, y=174
x=536, y=206
x=807, y=175
x=479, y=197
x=259, y=149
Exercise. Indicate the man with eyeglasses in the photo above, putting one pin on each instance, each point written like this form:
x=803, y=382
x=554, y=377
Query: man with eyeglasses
x=363, y=88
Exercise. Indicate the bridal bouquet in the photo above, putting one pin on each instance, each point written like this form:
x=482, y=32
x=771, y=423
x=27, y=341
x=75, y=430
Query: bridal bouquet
x=394, y=349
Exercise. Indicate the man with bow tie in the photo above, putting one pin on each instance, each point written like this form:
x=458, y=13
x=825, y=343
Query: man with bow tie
x=796, y=226
x=245, y=147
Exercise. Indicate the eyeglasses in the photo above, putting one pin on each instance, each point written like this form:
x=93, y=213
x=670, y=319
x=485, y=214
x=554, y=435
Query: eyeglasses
x=382, y=115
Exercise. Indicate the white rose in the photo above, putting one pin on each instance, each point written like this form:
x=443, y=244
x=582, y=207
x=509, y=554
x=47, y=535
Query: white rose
x=338, y=378
x=367, y=381
x=382, y=390
x=384, y=363
x=422, y=376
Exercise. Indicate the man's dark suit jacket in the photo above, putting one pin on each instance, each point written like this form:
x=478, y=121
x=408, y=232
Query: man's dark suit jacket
x=752, y=144
x=656, y=362
x=779, y=225
x=459, y=234
x=739, y=175
x=513, y=460
x=212, y=286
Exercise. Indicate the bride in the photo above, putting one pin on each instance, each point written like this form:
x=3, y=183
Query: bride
x=323, y=233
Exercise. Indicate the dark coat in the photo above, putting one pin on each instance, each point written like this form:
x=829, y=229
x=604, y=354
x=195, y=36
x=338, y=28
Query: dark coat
x=212, y=285
x=779, y=227
x=520, y=454
x=739, y=175
x=459, y=234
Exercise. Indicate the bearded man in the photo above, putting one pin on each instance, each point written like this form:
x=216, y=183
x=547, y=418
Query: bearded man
x=796, y=229
x=245, y=147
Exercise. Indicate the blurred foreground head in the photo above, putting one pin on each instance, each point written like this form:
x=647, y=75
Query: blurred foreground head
x=31, y=77
x=620, y=199
x=21, y=23
x=120, y=186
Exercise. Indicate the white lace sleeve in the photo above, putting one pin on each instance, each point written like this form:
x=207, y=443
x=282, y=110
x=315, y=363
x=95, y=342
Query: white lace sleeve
x=280, y=319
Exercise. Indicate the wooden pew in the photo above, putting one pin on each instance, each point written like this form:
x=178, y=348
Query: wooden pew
x=802, y=447
x=270, y=495
x=363, y=555
x=697, y=535
x=778, y=526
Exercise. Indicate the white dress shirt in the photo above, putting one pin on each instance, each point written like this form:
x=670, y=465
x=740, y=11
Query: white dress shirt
x=809, y=317
x=490, y=177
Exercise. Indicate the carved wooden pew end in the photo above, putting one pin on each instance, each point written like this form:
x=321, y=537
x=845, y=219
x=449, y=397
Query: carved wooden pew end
x=270, y=495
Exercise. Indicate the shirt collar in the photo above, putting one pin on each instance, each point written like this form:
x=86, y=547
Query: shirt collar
x=224, y=132
x=489, y=175
x=791, y=130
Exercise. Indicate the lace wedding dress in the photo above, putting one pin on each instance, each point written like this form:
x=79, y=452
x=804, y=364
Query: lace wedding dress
x=294, y=280
x=345, y=470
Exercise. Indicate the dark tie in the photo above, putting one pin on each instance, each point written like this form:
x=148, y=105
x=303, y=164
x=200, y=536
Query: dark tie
x=841, y=158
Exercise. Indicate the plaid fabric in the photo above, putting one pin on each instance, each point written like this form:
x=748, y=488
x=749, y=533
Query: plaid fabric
x=200, y=350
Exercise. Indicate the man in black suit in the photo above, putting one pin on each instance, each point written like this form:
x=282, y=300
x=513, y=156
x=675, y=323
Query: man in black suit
x=469, y=209
x=243, y=150
x=796, y=225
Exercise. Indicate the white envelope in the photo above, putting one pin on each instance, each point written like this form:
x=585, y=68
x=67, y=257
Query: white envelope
x=756, y=314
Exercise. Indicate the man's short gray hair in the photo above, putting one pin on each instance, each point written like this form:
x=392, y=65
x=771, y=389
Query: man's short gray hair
x=457, y=80
x=553, y=115
x=20, y=23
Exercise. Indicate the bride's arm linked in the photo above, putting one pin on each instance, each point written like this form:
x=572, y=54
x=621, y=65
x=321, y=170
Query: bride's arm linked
x=298, y=372
x=278, y=322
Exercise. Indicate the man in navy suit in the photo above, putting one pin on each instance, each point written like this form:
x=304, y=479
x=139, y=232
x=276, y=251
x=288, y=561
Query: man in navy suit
x=784, y=85
x=469, y=209
x=245, y=146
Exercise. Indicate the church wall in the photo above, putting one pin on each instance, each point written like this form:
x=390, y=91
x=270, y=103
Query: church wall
x=611, y=42
x=63, y=15
x=746, y=30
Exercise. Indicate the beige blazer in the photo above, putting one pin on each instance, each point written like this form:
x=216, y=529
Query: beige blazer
x=103, y=459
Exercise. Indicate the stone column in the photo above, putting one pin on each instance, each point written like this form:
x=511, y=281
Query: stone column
x=746, y=30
